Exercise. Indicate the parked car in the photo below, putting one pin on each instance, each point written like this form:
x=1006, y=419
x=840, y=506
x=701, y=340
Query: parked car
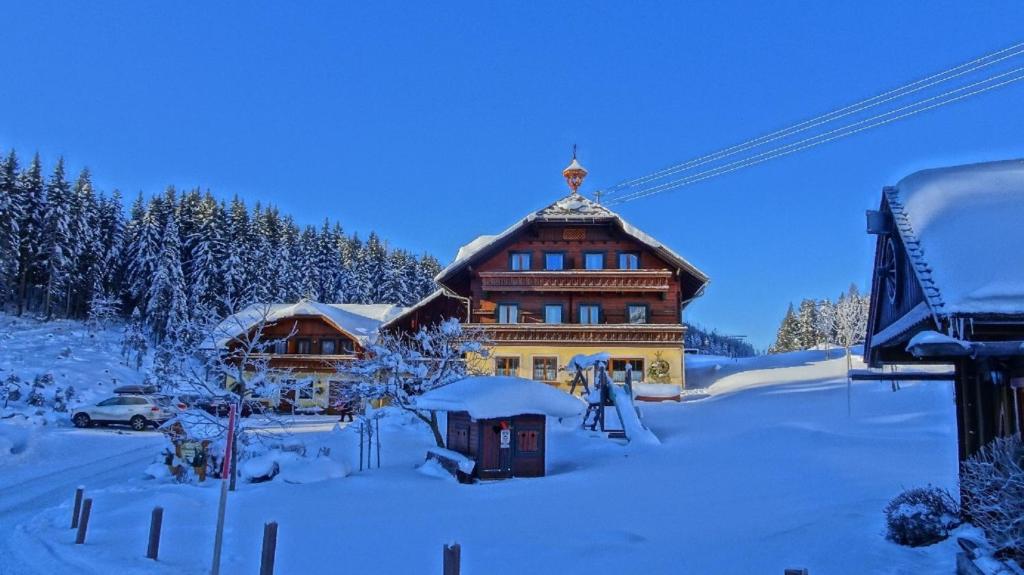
x=220, y=405
x=138, y=411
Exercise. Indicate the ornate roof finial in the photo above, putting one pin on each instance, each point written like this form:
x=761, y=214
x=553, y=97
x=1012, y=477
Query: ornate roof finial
x=574, y=173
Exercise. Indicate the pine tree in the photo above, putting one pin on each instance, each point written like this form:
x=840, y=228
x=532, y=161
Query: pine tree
x=807, y=325
x=787, y=337
x=165, y=303
x=57, y=247
x=133, y=340
x=30, y=236
x=11, y=215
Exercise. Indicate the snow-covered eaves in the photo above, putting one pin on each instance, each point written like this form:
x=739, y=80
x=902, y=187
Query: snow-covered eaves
x=572, y=208
x=486, y=397
x=962, y=229
x=918, y=314
x=359, y=321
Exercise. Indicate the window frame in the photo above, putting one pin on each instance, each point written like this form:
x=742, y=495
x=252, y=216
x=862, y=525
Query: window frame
x=554, y=253
x=298, y=345
x=618, y=257
x=579, y=313
x=638, y=373
x=334, y=345
x=504, y=371
x=561, y=313
x=647, y=313
x=512, y=255
x=554, y=370
x=497, y=312
x=604, y=258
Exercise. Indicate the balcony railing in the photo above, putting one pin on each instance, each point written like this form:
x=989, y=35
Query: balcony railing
x=578, y=281
x=576, y=334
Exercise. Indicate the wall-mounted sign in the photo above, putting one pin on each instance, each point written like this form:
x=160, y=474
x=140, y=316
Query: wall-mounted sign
x=506, y=438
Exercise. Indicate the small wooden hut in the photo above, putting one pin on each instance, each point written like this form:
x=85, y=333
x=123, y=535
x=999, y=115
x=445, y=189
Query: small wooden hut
x=500, y=423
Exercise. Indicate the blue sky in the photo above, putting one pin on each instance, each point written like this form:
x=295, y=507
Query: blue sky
x=432, y=123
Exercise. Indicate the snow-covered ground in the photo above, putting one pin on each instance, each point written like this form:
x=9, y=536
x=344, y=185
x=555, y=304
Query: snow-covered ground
x=770, y=470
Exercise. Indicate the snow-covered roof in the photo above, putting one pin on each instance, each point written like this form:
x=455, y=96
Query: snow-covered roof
x=916, y=315
x=487, y=396
x=962, y=228
x=571, y=208
x=359, y=321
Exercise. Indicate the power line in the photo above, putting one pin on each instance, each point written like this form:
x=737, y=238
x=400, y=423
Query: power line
x=786, y=150
x=907, y=89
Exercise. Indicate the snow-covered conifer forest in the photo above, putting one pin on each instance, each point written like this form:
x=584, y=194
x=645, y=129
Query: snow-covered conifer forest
x=68, y=250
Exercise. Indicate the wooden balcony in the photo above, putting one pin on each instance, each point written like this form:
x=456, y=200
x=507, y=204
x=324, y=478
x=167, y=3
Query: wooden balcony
x=302, y=362
x=577, y=281
x=576, y=334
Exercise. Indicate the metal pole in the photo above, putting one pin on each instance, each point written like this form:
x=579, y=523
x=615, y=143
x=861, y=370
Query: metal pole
x=360, y=445
x=218, y=540
x=79, y=493
x=377, y=432
x=155, y=524
x=83, y=524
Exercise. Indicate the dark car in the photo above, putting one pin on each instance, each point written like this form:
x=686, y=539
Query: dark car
x=220, y=405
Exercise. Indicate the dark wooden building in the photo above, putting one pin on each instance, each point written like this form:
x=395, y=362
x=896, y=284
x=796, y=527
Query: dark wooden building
x=500, y=423
x=948, y=288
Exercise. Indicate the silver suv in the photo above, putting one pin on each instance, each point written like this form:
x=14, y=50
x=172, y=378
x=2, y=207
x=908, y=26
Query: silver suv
x=138, y=411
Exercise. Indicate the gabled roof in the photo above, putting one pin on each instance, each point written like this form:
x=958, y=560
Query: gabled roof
x=962, y=228
x=358, y=321
x=572, y=208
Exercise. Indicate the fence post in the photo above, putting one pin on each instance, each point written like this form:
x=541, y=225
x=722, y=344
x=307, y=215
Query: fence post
x=79, y=493
x=155, y=524
x=452, y=559
x=269, y=548
x=83, y=522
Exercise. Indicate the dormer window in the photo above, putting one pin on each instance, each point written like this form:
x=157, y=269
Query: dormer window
x=519, y=261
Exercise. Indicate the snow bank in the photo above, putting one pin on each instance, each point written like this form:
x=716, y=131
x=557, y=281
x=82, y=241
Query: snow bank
x=657, y=391
x=636, y=431
x=500, y=396
x=291, y=467
x=466, y=465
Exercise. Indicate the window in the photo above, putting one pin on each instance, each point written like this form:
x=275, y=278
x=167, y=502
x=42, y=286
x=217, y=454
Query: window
x=553, y=313
x=302, y=346
x=527, y=440
x=636, y=313
x=590, y=313
x=305, y=390
x=109, y=402
x=135, y=401
x=346, y=346
x=619, y=369
x=593, y=260
x=629, y=261
x=506, y=366
x=281, y=346
x=545, y=368
x=328, y=347
x=519, y=261
x=554, y=261
x=508, y=313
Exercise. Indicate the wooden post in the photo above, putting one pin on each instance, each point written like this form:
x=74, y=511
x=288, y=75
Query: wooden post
x=452, y=559
x=79, y=493
x=156, y=521
x=377, y=433
x=269, y=548
x=360, y=445
x=83, y=522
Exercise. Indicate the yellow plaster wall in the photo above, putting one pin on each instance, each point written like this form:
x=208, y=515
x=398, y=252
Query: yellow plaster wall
x=526, y=353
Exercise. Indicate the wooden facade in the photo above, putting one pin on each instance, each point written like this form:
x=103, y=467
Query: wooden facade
x=570, y=278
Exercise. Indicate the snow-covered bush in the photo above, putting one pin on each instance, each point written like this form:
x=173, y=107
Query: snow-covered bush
x=992, y=483
x=921, y=516
x=10, y=390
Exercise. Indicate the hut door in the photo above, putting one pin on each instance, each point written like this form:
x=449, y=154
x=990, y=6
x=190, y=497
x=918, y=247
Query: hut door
x=497, y=447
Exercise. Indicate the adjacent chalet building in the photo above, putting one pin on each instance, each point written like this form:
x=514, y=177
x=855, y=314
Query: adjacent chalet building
x=948, y=288
x=571, y=278
x=310, y=340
